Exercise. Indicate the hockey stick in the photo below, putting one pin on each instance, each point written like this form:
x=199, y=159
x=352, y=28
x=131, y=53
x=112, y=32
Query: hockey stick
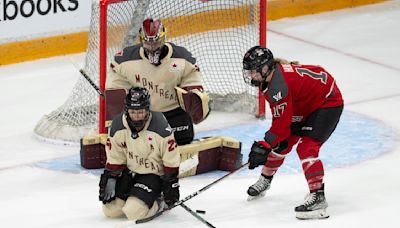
x=201, y=219
x=84, y=74
x=190, y=196
x=98, y=90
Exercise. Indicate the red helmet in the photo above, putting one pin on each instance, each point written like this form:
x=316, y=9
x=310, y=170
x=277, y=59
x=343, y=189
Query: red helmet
x=152, y=34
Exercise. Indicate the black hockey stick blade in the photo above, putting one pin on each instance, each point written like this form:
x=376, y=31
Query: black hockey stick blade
x=201, y=219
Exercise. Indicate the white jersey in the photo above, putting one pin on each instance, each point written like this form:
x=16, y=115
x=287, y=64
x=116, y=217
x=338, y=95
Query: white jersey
x=148, y=151
x=131, y=68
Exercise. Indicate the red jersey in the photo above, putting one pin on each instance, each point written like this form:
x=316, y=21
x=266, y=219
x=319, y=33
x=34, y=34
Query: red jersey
x=294, y=92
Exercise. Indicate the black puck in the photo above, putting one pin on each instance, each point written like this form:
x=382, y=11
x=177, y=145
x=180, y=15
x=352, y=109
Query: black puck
x=200, y=211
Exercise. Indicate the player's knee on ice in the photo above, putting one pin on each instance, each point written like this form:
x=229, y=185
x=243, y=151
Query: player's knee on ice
x=136, y=209
x=114, y=208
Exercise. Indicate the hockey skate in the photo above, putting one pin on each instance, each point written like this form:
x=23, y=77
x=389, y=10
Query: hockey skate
x=259, y=188
x=314, y=206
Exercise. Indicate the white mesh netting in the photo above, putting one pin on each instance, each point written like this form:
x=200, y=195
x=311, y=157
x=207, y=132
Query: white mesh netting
x=217, y=33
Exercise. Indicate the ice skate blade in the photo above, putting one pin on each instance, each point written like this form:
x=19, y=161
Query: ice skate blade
x=317, y=214
x=250, y=198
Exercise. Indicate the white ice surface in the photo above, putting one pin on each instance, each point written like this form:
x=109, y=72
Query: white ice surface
x=359, y=46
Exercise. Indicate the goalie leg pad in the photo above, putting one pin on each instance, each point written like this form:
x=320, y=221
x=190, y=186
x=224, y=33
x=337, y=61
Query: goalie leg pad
x=213, y=153
x=206, y=151
x=231, y=156
x=195, y=103
x=92, y=151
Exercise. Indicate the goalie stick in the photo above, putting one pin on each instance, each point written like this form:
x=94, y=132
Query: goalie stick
x=98, y=90
x=84, y=74
x=180, y=202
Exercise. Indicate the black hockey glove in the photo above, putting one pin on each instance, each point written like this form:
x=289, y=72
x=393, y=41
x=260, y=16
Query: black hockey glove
x=107, y=187
x=258, y=154
x=170, y=188
x=281, y=146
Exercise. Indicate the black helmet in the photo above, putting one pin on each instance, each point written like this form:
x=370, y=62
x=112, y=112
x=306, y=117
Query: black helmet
x=137, y=98
x=255, y=59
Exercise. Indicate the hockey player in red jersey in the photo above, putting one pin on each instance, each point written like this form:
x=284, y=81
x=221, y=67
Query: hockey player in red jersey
x=306, y=105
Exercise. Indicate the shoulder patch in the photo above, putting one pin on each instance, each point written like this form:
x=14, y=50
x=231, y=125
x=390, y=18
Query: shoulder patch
x=159, y=125
x=129, y=53
x=117, y=124
x=277, y=88
x=182, y=53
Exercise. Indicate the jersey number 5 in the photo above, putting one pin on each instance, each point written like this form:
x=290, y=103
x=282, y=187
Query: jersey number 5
x=317, y=76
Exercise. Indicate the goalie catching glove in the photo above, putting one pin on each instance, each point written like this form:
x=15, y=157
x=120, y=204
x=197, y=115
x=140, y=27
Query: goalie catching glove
x=194, y=102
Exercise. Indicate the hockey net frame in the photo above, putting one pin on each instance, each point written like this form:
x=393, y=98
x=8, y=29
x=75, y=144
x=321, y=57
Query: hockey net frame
x=245, y=16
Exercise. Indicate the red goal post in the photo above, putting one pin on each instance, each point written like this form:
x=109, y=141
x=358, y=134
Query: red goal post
x=103, y=55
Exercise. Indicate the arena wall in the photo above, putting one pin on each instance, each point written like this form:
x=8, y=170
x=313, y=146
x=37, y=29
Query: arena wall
x=31, y=29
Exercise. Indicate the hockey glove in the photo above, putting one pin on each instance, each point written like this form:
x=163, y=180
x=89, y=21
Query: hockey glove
x=281, y=146
x=107, y=187
x=258, y=154
x=170, y=188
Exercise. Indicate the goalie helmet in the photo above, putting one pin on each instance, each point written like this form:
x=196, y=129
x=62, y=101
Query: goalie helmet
x=254, y=60
x=137, y=98
x=152, y=36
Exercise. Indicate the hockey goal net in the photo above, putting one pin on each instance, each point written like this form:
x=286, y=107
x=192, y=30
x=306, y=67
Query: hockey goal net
x=217, y=33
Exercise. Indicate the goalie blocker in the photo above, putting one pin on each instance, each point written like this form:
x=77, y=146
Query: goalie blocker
x=194, y=102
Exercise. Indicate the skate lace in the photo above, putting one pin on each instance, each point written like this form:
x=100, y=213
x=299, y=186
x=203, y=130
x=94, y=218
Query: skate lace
x=262, y=184
x=310, y=199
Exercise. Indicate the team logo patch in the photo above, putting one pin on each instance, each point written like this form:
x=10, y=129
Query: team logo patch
x=278, y=96
x=174, y=67
x=259, y=52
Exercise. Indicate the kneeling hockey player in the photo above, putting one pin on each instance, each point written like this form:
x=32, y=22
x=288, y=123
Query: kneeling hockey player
x=142, y=161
